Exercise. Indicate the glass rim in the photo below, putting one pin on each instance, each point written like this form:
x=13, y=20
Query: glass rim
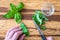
x=48, y=4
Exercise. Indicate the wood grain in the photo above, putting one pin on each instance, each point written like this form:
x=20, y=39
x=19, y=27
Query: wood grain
x=30, y=8
x=31, y=4
x=36, y=38
x=28, y=16
x=39, y=38
x=51, y=29
x=52, y=25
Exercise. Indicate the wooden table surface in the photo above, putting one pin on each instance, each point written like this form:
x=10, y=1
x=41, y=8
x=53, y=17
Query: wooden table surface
x=53, y=24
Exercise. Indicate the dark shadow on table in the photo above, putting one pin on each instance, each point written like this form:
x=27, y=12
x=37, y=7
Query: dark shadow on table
x=29, y=17
x=5, y=9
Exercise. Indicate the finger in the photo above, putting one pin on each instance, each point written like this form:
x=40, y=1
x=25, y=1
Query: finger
x=13, y=28
x=22, y=37
x=49, y=38
x=16, y=35
x=12, y=32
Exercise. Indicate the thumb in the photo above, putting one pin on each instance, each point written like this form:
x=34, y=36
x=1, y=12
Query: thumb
x=22, y=37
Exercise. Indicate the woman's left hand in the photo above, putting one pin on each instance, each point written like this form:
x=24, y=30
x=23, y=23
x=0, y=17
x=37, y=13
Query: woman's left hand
x=14, y=34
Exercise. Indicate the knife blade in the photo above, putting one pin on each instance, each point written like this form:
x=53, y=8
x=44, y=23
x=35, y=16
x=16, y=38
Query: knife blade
x=40, y=32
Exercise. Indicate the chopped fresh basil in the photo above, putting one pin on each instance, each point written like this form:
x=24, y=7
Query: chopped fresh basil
x=40, y=19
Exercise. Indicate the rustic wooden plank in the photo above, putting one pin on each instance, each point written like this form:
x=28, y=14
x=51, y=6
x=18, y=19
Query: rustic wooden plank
x=31, y=4
x=11, y=22
x=28, y=16
x=29, y=8
x=52, y=25
x=53, y=28
x=5, y=3
x=34, y=32
x=35, y=38
x=53, y=20
x=36, y=4
x=39, y=38
x=47, y=32
x=29, y=12
x=37, y=1
x=31, y=31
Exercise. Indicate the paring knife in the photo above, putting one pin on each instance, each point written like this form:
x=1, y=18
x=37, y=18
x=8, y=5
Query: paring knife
x=41, y=33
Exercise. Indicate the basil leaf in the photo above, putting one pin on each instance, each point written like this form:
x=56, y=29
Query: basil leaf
x=39, y=13
x=20, y=6
x=43, y=22
x=34, y=16
x=44, y=17
x=24, y=29
x=35, y=19
x=13, y=8
x=18, y=17
x=43, y=28
x=39, y=19
x=9, y=14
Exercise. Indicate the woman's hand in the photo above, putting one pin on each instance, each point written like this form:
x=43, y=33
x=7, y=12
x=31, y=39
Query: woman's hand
x=14, y=34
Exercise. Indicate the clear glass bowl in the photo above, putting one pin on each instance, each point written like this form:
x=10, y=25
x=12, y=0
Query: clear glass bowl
x=47, y=9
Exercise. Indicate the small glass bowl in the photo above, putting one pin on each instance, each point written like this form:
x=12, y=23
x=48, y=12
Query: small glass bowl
x=47, y=9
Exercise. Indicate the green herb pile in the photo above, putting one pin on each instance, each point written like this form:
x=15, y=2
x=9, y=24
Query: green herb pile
x=14, y=13
x=39, y=18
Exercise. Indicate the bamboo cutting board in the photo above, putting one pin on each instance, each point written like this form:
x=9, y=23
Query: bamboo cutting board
x=53, y=24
